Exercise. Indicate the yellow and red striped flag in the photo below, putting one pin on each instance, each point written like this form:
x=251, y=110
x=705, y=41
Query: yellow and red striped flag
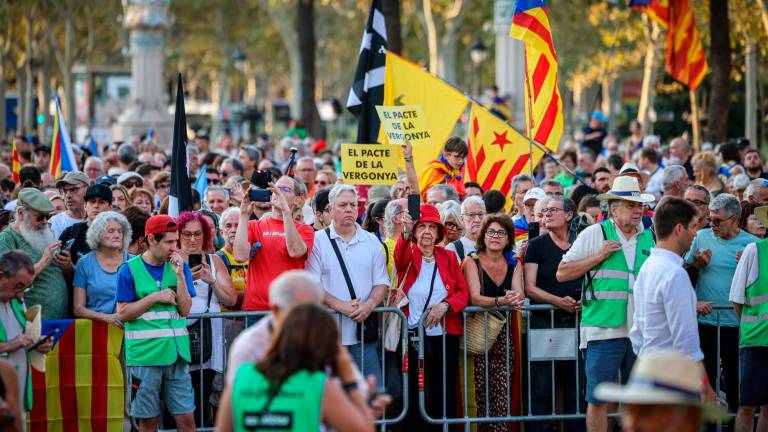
x=544, y=107
x=685, y=59
x=62, y=157
x=497, y=152
x=82, y=388
x=15, y=163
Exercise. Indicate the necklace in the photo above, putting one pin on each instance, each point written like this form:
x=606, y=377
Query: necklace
x=428, y=259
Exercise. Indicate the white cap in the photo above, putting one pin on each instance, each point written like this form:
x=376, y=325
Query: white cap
x=534, y=193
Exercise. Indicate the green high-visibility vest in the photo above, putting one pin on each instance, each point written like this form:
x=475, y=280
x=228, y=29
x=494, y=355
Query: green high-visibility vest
x=159, y=335
x=754, y=314
x=295, y=407
x=18, y=310
x=605, y=301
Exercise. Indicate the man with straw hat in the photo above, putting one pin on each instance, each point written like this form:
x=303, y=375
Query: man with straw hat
x=749, y=295
x=662, y=394
x=610, y=255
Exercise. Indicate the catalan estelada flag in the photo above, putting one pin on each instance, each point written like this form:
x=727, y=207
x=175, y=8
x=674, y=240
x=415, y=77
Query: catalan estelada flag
x=15, y=163
x=497, y=152
x=62, y=158
x=685, y=59
x=544, y=107
x=82, y=388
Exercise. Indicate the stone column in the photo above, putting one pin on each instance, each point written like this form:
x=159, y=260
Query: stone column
x=147, y=21
x=510, y=62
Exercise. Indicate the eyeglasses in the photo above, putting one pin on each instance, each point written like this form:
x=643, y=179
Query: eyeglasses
x=131, y=184
x=189, y=235
x=698, y=203
x=474, y=215
x=163, y=186
x=452, y=226
x=72, y=190
x=286, y=189
x=214, y=181
x=496, y=234
x=225, y=173
x=550, y=210
x=42, y=216
x=717, y=222
x=321, y=183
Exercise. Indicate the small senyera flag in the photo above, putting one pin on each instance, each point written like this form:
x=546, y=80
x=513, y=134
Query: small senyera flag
x=83, y=385
x=15, y=163
x=62, y=157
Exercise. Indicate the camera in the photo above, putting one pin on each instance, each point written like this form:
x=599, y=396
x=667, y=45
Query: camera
x=260, y=195
x=261, y=179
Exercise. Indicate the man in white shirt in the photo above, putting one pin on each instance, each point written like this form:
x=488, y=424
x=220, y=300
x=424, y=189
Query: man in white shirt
x=610, y=254
x=72, y=187
x=749, y=295
x=472, y=215
x=366, y=272
x=665, y=302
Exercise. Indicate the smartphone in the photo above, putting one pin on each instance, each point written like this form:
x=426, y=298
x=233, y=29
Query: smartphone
x=260, y=195
x=43, y=339
x=195, y=260
x=533, y=230
x=414, y=202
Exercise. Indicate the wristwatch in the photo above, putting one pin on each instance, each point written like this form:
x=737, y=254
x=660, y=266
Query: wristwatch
x=448, y=306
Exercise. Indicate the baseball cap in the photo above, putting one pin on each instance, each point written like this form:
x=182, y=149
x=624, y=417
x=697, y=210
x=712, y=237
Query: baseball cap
x=73, y=178
x=106, y=180
x=99, y=191
x=124, y=177
x=160, y=224
x=534, y=193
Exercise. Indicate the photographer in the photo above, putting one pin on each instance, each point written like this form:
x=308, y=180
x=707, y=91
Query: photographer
x=281, y=244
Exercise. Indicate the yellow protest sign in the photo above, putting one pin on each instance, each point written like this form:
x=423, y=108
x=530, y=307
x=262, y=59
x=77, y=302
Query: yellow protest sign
x=404, y=122
x=369, y=164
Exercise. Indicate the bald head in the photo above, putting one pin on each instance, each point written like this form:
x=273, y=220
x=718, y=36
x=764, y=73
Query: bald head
x=295, y=287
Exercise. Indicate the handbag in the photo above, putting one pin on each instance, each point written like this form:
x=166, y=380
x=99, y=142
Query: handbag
x=370, y=326
x=392, y=321
x=201, y=336
x=475, y=333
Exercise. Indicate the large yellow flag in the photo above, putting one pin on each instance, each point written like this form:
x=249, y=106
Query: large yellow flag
x=497, y=152
x=406, y=83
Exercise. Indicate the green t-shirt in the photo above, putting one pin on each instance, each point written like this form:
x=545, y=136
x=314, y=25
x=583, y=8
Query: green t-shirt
x=49, y=289
x=296, y=406
x=565, y=181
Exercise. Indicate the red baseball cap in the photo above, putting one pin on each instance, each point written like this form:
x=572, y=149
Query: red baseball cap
x=160, y=224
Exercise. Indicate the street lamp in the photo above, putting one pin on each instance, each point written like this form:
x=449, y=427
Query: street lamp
x=478, y=52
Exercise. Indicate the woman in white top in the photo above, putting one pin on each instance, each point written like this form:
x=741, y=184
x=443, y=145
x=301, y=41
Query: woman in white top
x=208, y=272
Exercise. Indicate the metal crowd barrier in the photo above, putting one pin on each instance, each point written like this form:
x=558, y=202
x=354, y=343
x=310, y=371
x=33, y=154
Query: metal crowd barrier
x=548, y=345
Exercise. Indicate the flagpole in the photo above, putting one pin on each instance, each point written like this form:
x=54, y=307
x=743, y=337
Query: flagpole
x=695, y=124
x=529, y=120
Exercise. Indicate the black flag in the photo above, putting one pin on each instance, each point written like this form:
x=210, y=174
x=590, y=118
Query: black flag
x=368, y=86
x=180, y=198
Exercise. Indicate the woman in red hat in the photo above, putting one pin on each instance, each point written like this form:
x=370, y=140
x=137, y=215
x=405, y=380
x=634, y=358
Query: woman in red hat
x=437, y=293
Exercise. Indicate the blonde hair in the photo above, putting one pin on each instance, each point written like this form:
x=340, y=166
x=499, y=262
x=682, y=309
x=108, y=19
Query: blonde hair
x=706, y=160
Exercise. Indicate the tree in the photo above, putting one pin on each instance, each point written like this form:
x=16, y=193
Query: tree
x=720, y=67
x=305, y=31
x=442, y=49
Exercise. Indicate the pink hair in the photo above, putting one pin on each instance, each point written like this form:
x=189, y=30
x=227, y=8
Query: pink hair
x=193, y=216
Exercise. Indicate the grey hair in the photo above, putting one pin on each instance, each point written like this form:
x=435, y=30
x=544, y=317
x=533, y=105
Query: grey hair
x=14, y=260
x=450, y=208
x=727, y=202
x=216, y=188
x=519, y=179
x=450, y=192
x=99, y=226
x=338, y=189
x=390, y=211
x=253, y=152
x=754, y=187
x=670, y=175
x=306, y=159
x=567, y=203
x=299, y=188
x=95, y=159
x=550, y=182
x=739, y=181
x=474, y=199
x=701, y=188
x=225, y=214
x=283, y=290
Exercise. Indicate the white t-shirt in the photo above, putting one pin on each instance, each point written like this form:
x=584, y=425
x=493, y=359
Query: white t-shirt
x=418, y=293
x=588, y=244
x=199, y=305
x=747, y=271
x=469, y=247
x=62, y=221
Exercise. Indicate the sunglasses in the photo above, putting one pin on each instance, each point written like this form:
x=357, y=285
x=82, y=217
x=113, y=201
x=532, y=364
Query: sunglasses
x=131, y=184
x=286, y=189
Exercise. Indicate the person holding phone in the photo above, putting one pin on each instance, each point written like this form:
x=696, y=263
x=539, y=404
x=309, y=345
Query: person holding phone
x=154, y=295
x=274, y=244
x=16, y=274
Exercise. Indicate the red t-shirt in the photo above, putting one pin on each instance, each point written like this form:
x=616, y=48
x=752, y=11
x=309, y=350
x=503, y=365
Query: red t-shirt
x=271, y=259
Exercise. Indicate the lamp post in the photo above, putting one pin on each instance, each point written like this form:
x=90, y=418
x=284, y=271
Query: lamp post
x=478, y=52
x=238, y=59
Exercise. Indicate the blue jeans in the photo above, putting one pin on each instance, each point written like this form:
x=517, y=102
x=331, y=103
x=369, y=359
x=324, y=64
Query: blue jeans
x=604, y=360
x=366, y=357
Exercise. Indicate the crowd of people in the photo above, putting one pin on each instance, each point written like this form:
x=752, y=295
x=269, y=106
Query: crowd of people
x=641, y=247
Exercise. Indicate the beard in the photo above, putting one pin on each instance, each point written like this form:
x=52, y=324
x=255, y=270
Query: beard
x=38, y=239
